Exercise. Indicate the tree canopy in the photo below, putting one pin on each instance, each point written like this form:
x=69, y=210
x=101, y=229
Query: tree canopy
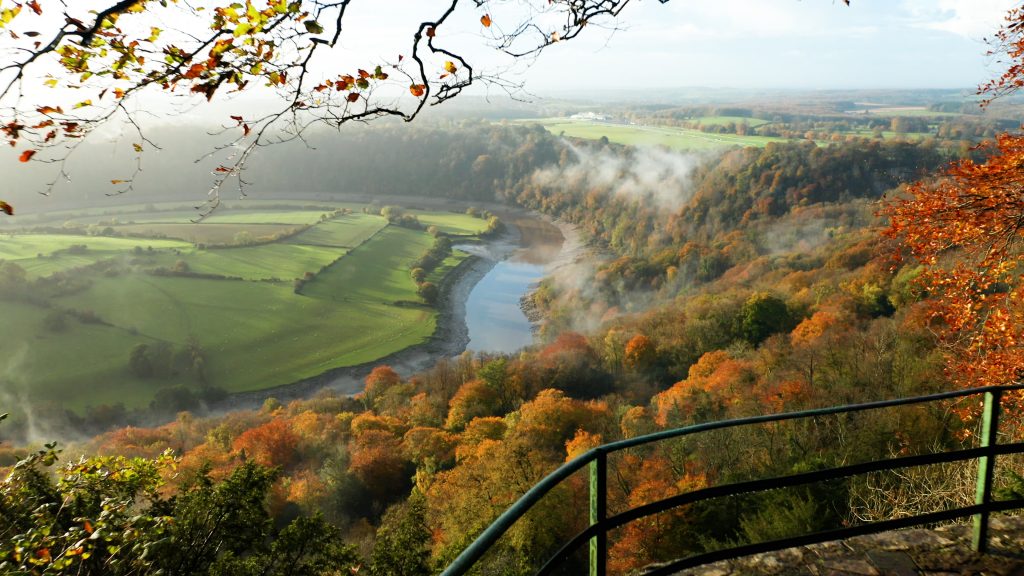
x=965, y=226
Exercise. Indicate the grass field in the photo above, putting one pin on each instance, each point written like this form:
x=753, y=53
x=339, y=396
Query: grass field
x=254, y=333
x=256, y=217
x=723, y=120
x=204, y=233
x=452, y=223
x=909, y=111
x=25, y=250
x=677, y=138
x=344, y=232
x=16, y=247
x=277, y=261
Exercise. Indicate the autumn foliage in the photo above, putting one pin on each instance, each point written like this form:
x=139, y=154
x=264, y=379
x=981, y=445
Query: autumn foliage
x=966, y=229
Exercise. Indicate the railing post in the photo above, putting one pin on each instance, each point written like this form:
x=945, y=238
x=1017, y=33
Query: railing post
x=598, y=513
x=986, y=468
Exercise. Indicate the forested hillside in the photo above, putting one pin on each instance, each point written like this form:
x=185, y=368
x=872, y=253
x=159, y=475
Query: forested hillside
x=746, y=282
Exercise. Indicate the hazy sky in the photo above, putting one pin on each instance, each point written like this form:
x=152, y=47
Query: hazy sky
x=783, y=43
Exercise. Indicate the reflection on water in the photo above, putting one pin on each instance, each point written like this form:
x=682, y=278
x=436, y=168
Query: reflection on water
x=495, y=321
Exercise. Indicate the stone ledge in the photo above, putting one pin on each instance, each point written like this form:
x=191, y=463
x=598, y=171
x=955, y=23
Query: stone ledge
x=913, y=552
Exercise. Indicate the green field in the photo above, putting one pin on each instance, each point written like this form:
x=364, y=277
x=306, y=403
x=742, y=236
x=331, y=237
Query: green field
x=723, y=120
x=277, y=261
x=677, y=138
x=253, y=333
x=451, y=223
x=347, y=232
x=910, y=111
x=204, y=232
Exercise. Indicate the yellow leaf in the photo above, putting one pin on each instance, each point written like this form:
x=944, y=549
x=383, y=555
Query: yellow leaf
x=450, y=67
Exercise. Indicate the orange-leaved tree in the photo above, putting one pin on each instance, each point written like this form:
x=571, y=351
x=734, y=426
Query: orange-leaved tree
x=965, y=227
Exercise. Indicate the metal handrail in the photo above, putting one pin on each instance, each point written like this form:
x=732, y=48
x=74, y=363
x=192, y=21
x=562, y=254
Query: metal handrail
x=600, y=524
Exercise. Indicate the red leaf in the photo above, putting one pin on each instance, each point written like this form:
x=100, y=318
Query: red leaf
x=26, y=155
x=6, y=208
x=352, y=96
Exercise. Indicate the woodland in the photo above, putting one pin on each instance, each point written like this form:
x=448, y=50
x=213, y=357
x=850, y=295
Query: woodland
x=797, y=274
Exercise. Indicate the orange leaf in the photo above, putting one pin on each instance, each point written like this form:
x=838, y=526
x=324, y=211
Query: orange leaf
x=26, y=155
x=352, y=96
x=486, y=20
x=6, y=208
x=417, y=90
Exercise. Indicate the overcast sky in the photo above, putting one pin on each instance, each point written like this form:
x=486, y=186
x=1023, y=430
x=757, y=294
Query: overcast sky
x=783, y=43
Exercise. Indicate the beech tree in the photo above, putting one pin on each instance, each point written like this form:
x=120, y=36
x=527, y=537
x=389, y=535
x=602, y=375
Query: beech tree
x=966, y=227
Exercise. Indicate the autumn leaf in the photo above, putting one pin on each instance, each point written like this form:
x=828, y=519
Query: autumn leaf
x=137, y=147
x=352, y=96
x=417, y=90
x=35, y=7
x=431, y=32
x=450, y=67
x=6, y=208
x=486, y=20
x=26, y=155
x=313, y=27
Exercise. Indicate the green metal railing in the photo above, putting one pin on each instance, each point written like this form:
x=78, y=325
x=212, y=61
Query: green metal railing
x=596, y=534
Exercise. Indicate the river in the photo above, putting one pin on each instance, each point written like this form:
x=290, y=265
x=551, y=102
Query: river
x=494, y=318
x=479, y=310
